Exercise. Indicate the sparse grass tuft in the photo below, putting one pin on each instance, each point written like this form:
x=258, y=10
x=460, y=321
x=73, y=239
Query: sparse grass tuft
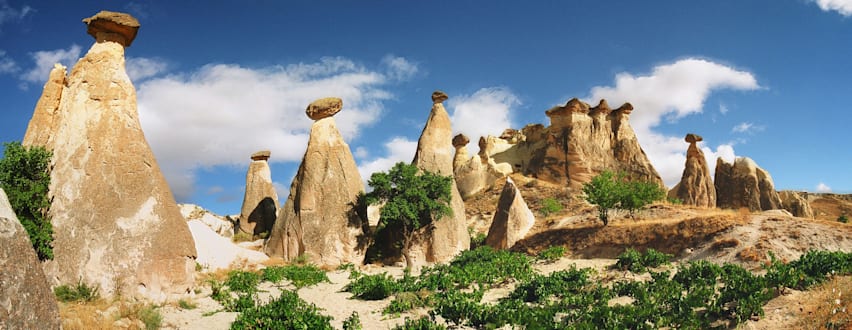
x=725, y=243
x=186, y=304
x=81, y=292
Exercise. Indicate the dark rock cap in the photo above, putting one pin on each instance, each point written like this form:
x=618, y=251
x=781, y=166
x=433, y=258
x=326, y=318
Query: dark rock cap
x=602, y=107
x=625, y=108
x=110, y=22
x=439, y=97
x=261, y=155
x=692, y=138
x=460, y=140
x=325, y=107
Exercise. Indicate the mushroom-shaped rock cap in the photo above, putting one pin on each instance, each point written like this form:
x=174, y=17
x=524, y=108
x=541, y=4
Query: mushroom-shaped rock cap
x=439, y=97
x=602, y=107
x=261, y=155
x=625, y=108
x=460, y=140
x=111, y=22
x=325, y=107
x=692, y=138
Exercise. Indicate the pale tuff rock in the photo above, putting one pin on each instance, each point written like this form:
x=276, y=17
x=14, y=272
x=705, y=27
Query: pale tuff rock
x=26, y=301
x=216, y=252
x=480, y=172
x=112, y=26
x=319, y=218
x=461, y=157
x=695, y=186
x=744, y=184
x=44, y=121
x=221, y=225
x=449, y=235
x=116, y=223
x=323, y=108
x=260, y=202
x=512, y=220
x=796, y=204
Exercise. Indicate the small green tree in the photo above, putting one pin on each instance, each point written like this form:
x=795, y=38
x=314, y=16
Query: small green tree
x=412, y=201
x=615, y=191
x=638, y=194
x=25, y=176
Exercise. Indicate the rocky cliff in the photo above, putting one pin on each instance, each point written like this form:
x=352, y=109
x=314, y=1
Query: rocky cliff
x=744, y=184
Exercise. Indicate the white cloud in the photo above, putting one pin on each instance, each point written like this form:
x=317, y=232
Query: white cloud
x=487, y=112
x=723, y=109
x=361, y=153
x=221, y=114
x=7, y=64
x=823, y=188
x=746, y=128
x=398, y=149
x=45, y=59
x=843, y=7
x=399, y=68
x=670, y=91
x=140, y=68
x=10, y=14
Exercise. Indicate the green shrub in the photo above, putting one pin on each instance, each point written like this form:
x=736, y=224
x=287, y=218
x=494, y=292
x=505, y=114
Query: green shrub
x=552, y=253
x=353, y=322
x=843, y=218
x=80, y=292
x=287, y=312
x=557, y=284
x=550, y=206
x=25, y=177
x=403, y=302
x=630, y=260
x=615, y=191
x=675, y=201
x=423, y=323
x=151, y=317
x=476, y=239
x=654, y=258
x=184, y=304
x=300, y=275
x=372, y=287
x=242, y=281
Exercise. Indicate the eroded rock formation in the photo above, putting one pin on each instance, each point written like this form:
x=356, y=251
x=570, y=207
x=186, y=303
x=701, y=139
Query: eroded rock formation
x=26, y=301
x=116, y=223
x=796, y=203
x=449, y=235
x=260, y=202
x=744, y=184
x=44, y=118
x=512, y=220
x=695, y=186
x=319, y=218
x=477, y=173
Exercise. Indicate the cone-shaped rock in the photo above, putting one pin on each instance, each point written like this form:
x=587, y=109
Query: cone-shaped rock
x=116, y=223
x=695, y=186
x=319, y=218
x=435, y=154
x=744, y=184
x=512, y=220
x=260, y=202
x=796, y=203
x=26, y=301
x=44, y=121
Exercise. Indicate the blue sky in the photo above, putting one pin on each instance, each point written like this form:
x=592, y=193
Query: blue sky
x=219, y=80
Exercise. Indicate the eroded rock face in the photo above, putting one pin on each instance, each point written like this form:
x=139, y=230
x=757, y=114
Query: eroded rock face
x=512, y=220
x=44, y=121
x=116, y=223
x=26, y=300
x=480, y=172
x=260, y=202
x=323, y=108
x=435, y=154
x=695, y=186
x=796, y=203
x=319, y=218
x=744, y=184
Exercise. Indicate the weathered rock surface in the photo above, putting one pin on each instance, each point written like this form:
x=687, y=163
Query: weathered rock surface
x=695, y=186
x=744, y=184
x=260, y=202
x=112, y=26
x=480, y=172
x=449, y=235
x=44, y=116
x=512, y=220
x=325, y=107
x=223, y=226
x=796, y=203
x=26, y=300
x=216, y=252
x=319, y=218
x=116, y=223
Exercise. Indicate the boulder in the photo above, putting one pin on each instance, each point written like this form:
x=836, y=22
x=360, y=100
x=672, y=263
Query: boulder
x=260, y=202
x=512, y=220
x=695, y=186
x=116, y=224
x=448, y=236
x=26, y=300
x=744, y=184
x=325, y=107
x=796, y=203
x=319, y=218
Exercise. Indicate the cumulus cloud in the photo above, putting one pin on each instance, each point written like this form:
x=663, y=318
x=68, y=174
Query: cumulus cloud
x=399, y=68
x=141, y=68
x=487, y=111
x=7, y=64
x=9, y=14
x=671, y=91
x=220, y=114
x=823, y=188
x=45, y=59
x=397, y=149
x=843, y=7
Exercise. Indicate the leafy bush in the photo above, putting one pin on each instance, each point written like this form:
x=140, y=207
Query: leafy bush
x=557, y=284
x=637, y=262
x=423, y=323
x=242, y=281
x=372, y=287
x=615, y=191
x=403, y=302
x=287, y=312
x=843, y=218
x=25, y=177
x=552, y=253
x=151, y=317
x=353, y=322
x=80, y=292
x=300, y=275
x=550, y=206
x=477, y=239
x=654, y=258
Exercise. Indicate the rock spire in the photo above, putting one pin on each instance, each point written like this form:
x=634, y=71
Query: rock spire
x=260, y=202
x=744, y=184
x=512, y=220
x=695, y=186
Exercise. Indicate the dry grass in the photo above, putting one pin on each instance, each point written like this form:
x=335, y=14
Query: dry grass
x=829, y=306
x=749, y=254
x=725, y=243
x=103, y=314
